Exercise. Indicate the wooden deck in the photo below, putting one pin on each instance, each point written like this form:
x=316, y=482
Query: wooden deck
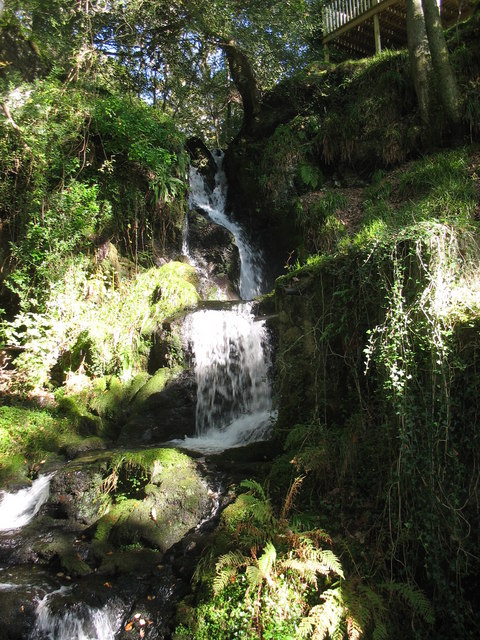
x=364, y=27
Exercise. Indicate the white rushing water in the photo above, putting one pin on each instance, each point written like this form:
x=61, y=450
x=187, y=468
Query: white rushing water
x=214, y=205
x=232, y=361
x=80, y=622
x=230, y=346
x=19, y=508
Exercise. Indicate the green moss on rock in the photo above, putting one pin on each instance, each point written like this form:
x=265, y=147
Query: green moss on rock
x=172, y=498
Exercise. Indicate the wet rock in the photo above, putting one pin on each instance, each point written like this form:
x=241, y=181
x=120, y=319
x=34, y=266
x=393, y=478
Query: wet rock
x=214, y=250
x=161, y=413
x=75, y=449
x=76, y=490
x=135, y=562
x=19, y=592
x=202, y=160
x=175, y=499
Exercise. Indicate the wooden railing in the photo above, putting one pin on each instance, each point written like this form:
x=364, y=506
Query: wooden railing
x=340, y=12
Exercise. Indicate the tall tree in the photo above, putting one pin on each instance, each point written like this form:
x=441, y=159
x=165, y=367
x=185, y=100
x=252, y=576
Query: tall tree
x=449, y=93
x=420, y=59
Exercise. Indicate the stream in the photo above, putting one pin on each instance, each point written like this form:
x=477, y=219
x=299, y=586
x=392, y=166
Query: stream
x=39, y=598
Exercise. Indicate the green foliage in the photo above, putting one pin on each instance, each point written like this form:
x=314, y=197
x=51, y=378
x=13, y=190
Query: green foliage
x=83, y=165
x=378, y=413
x=92, y=327
x=310, y=175
x=317, y=217
x=287, y=585
x=30, y=436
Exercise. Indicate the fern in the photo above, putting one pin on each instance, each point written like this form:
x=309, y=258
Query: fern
x=330, y=561
x=324, y=619
x=227, y=567
x=222, y=579
x=414, y=598
x=288, y=502
x=380, y=631
x=254, y=487
x=303, y=569
x=267, y=559
x=234, y=559
x=254, y=576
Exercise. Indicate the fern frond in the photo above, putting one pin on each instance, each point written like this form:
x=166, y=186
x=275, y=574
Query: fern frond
x=292, y=492
x=414, y=598
x=353, y=629
x=372, y=601
x=254, y=487
x=267, y=559
x=358, y=605
x=324, y=619
x=341, y=631
x=259, y=510
x=254, y=576
x=233, y=559
x=380, y=631
x=329, y=560
x=304, y=569
x=222, y=579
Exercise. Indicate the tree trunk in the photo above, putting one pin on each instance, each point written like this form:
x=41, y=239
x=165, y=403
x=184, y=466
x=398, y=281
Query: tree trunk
x=449, y=93
x=244, y=79
x=420, y=60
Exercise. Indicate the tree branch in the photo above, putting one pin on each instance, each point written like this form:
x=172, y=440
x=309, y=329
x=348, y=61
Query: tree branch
x=15, y=126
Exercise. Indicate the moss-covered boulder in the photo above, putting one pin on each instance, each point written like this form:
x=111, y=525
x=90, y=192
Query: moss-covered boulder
x=157, y=496
x=77, y=492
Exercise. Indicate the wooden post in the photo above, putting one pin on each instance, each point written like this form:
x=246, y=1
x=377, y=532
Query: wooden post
x=376, y=31
x=326, y=53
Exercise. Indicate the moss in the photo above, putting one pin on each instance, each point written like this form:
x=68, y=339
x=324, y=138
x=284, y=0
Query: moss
x=134, y=561
x=74, y=565
x=73, y=407
x=28, y=436
x=155, y=385
x=107, y=397
x=73, y=449
x=158, y=496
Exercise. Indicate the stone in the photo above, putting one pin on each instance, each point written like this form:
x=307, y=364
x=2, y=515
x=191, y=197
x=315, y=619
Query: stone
x=202, y=160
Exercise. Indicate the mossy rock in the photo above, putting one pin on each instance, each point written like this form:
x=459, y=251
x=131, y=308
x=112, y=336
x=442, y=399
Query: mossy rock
x=75, y=566
x=76, y=492
x=107, y=397
x=85, y=445
x=74, y=408
x=155, y=385
x=135, y=562
x=62, y=549
x=163, y=409
x=174, y=498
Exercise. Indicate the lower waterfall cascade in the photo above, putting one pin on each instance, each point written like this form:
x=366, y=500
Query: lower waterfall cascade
x=18, y=509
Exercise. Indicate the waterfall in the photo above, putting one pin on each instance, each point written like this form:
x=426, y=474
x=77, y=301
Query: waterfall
x=214, y=205
x=232, y=361
x=230, y=346
x=79, y=622
x=19, y=508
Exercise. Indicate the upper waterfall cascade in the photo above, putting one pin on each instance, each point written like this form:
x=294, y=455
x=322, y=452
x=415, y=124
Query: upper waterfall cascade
x=213, y=203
